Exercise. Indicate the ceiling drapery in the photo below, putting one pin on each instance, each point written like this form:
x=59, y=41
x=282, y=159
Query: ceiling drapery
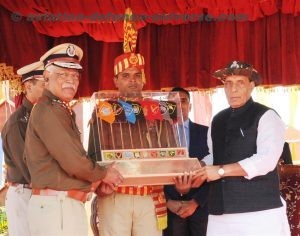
x=176, y=53
x=103, y=20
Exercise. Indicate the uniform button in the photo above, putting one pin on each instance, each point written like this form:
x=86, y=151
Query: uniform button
x=223, y=180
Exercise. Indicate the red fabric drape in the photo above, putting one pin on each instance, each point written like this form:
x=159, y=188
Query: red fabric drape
x=103, y=20
x=180, y=55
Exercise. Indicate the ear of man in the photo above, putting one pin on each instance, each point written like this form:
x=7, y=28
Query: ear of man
x=115, y=80
x=46, y=75
x=252, y=85
x=28, y=86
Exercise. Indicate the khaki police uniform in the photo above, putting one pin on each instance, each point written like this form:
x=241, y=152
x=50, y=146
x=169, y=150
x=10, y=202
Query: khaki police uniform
x=61, y=174
x=131, y=210
x=17, y=176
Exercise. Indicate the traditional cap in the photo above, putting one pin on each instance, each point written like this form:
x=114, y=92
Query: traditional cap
x=32, y=71
x=129, y=58
x=238, y=68
x=65, y=55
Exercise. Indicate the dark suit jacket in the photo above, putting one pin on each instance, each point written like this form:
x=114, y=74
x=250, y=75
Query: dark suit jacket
x=198, y=148
x=286, y=155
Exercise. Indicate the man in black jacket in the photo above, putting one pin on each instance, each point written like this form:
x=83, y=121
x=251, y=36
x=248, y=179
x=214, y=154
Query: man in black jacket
x=245, y=143
x=187, y=210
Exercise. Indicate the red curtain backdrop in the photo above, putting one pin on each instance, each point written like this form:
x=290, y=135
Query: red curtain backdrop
x=180, y=52
x=103, y=19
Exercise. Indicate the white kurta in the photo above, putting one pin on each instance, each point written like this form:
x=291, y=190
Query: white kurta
x=270, y=140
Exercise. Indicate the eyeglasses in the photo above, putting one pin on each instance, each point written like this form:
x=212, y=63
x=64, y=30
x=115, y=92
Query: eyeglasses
x=65, y=75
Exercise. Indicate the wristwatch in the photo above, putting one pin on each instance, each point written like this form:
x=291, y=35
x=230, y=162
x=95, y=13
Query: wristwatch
x=221, y=171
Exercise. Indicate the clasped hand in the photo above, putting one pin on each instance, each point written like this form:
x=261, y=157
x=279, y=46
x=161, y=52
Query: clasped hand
x=182, y=208
x=111, y=180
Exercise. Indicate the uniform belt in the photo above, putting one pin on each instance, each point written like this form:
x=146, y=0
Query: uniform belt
x=134, y=190
x=74, y=194
x=17, y=185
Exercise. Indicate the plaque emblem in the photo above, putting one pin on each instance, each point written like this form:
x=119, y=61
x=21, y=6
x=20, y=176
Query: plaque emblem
x=128, y=154
x=137, y=154
x=118, y=155
x=172, y=153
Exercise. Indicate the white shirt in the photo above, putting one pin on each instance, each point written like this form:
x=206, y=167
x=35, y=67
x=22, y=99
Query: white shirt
x=269, y=142
x=186, y=125
x=273, y=222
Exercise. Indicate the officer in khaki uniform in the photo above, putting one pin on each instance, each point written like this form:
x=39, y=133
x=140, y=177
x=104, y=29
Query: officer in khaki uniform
x=61, y=174
x=13, y=136
x=130, y=210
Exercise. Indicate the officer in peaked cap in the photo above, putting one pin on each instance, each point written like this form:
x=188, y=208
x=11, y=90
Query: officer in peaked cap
x=61, y=174
x=32, y=71
x=63, y=70
x=13, y=136
x=64, y=55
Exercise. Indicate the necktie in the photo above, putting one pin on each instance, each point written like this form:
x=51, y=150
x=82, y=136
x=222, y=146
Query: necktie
x=182, y=137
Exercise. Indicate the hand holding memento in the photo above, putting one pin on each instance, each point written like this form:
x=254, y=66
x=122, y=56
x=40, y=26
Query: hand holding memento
x=113, y=177
x=199, y=178
x=183, y=182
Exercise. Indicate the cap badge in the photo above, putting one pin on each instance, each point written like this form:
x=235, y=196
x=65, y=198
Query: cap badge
x=133, y=59
x=71, y=50
x=235, y=65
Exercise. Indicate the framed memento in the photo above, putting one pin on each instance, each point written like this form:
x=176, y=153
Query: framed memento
x=142, y=133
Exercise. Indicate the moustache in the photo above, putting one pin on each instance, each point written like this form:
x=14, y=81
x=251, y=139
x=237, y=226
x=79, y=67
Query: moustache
x=68, y=86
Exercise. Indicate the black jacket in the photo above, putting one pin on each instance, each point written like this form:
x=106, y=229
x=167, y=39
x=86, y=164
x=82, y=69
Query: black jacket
x=197, y=148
